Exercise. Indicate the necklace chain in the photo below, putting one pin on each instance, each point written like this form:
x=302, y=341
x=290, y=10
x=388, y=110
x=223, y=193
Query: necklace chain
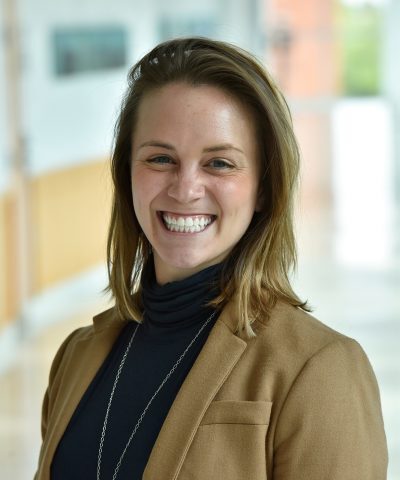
x=121, y=365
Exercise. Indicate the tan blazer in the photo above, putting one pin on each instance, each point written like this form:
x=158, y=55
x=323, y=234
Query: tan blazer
x=298, y=402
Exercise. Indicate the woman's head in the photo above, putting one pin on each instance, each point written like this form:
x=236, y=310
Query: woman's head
x=258, y=261
x=195, y=176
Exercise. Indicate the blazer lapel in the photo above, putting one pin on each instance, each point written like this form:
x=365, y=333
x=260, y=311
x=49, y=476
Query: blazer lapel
x=217, y=358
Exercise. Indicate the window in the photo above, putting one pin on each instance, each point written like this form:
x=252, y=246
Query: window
x=88, y=49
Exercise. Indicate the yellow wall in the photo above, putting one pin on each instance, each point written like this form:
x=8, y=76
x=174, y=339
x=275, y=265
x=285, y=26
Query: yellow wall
x=8, y=265
x=3, y=273
x=69, y=216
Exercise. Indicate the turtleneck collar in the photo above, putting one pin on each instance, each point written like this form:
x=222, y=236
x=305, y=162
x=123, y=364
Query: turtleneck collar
x=178, y=305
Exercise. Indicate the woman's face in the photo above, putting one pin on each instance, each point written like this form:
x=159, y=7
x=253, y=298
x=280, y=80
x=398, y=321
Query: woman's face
x=195, y=176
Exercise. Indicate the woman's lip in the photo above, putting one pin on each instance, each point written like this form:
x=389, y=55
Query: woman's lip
x=175, y=214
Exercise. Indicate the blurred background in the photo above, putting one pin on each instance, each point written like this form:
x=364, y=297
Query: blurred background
x=63, y=68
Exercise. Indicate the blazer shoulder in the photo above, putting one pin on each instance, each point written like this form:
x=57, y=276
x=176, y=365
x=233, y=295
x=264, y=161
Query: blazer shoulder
x=104, y=321
x=108, y=319
x=297, y=334
x=77, y=335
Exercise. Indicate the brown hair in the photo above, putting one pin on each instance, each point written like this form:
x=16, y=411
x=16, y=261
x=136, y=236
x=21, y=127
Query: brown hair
x=257, y=269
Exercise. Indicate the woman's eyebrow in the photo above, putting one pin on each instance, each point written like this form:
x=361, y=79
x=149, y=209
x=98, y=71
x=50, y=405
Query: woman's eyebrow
x=224, y=146
x=156, y=143
x=214, y=148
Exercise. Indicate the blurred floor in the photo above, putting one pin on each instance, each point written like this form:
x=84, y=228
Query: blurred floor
x=361, y=303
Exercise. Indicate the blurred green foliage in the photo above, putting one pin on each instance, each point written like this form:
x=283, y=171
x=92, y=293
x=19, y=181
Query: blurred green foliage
x=360, y=46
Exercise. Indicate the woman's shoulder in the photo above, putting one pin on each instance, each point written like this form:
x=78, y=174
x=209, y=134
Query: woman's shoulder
x=105, y=323
x=293, y=334
x=301, y=353
x=299, y=324
x=105, y=320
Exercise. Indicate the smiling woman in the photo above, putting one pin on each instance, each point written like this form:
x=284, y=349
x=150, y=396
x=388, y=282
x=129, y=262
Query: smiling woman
x=208, y=366
x=195, y=187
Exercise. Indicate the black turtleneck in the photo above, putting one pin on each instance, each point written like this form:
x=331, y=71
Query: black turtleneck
x=171, y=310
x=174, y=313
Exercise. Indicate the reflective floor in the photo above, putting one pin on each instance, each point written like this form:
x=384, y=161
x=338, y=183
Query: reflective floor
x=362, y=303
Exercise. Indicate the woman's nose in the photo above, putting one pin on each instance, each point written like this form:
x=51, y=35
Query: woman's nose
x=186, y=187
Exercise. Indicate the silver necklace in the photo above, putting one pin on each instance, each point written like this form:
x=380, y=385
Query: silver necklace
x=121, y=365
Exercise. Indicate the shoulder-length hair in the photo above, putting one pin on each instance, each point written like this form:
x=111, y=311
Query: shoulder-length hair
x=256, y=271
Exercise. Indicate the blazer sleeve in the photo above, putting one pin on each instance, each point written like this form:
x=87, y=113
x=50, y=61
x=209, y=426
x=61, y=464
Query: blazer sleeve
x=54, y=369
x=56, y=366
x=330, y=426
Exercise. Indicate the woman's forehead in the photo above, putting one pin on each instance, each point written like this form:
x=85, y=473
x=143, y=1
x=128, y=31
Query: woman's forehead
x=180, y=109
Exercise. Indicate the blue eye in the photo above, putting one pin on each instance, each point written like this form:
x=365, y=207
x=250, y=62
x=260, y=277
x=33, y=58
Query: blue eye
x=220, y=164
x=161, y=160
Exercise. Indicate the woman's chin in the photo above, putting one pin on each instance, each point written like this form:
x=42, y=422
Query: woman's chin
x=172, y=269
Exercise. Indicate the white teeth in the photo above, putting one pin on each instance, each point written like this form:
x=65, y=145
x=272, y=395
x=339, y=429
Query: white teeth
x=186, y=224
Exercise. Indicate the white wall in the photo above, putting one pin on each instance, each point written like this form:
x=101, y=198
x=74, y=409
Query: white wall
x=4, y=171
x=70, y=120
x=391, y=80
x=362, y=182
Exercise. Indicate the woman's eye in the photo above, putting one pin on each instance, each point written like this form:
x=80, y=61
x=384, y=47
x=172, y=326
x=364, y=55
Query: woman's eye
x=160, y=160
x=220, y=164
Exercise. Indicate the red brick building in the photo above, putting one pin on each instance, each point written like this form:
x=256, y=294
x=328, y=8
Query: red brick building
x=302, y=55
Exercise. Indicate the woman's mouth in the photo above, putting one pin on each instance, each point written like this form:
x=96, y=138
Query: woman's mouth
x=186, y=223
